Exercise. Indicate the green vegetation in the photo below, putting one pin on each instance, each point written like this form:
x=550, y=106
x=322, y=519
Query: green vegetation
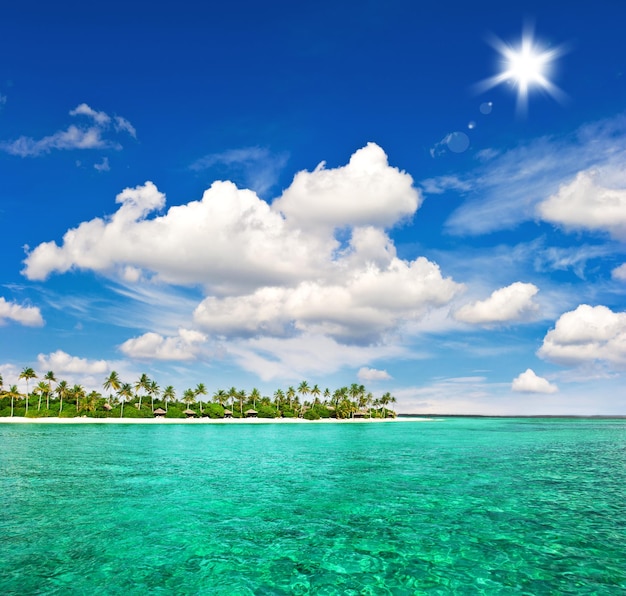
x=145, y=399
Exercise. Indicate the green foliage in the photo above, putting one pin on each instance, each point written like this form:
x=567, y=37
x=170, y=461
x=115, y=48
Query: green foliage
x=311, y=415
x=289, y=414
x=175, y=411
x=265, y=411
x=213, y=410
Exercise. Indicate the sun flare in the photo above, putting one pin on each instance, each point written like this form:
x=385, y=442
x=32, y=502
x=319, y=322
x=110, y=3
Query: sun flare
x=525, y=66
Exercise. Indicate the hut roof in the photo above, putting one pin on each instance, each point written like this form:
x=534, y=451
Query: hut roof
x=107, y=406
x=188, y=411
x=250, y=411
x=227, y=412
x=160, y=411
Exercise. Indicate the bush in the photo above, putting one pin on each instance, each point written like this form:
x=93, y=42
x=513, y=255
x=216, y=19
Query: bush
x=266, y=411
x=311, y=415
x=213, y=410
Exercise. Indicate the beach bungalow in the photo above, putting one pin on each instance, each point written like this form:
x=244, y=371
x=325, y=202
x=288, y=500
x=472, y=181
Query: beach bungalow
x=251, y=413
x=189, y=413
x=159, y=413
x=359, y=414
x=108, y=407
x=228, y=414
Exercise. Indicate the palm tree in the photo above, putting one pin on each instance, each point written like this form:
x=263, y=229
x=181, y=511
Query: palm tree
x=255, y=394
x=279, y=398
x=220, y=396
x=124, y=392
x=143, y=384
x=27, y=374
x=189, y=396
x=241, y=395
x=14, y=394
x=316, y=392
x=88, y=402
x=62, y=391
x=154, y=392
x=41, y=389
x=49, y=376
x=326, y=394
x=304, y=389
x=112, y=384
x=291, y=393
x=200, y=390
x=168, y=394
x=232, y=394
x=78, y=392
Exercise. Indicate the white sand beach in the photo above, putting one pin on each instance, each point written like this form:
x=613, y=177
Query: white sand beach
x=235, y=421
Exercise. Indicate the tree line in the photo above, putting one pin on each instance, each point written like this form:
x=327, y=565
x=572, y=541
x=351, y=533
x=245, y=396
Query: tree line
x=53, y=397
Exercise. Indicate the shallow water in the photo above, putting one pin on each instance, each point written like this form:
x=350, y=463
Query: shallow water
x=459, y=506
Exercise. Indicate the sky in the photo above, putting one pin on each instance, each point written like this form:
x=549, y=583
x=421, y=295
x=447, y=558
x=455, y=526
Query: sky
x=425, y=198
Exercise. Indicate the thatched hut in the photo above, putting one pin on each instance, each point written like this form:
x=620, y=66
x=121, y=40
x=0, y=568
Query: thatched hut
x=159, y=413
x=251, y=413
x=228, y=414
x=107, y=406
x=189, y=413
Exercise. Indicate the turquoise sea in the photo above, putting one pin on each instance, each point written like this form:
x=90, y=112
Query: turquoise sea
x=457, y=506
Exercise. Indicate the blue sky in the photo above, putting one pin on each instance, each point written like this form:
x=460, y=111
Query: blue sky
x=254, y=195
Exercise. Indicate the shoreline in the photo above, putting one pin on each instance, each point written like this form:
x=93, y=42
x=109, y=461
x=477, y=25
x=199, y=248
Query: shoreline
x=235, y=421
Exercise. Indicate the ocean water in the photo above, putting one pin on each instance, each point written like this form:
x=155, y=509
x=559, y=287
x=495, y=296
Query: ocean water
x=458, y=506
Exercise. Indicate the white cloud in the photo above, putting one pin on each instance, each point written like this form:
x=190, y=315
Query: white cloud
x=303, y=356
x=586, y=335
x=372, y=374
x=263, y=272
x=74, y=137
x=257, y=168
x=507, y=185
x=619, y=272
x=229, y=240
x=26, y=315
x=83, y=109
x=585, y=204
x=63, y=363
x=529, y=382
x=511, y=304
x=359, y=305
x=184, y=346
x=103, y=166
x=365, y=192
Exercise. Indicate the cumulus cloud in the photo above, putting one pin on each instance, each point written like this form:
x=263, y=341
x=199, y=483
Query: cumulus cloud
x=360, y=306
x=228, y=240
x=153, y=346
x=619, y=272
x=90, y=136
x=529, y=382
x=587, y=205
x=26, y=315
x=306, y=355
x=367, y=191
x=63, y=363
x=586, y=335
x=280, y=270
x=511, y=304
x=372, y=374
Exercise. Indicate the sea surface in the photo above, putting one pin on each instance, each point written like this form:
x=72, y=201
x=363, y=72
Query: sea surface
x=455, y=506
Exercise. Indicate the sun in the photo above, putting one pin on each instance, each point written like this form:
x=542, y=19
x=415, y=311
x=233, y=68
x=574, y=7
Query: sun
x=526, y=66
